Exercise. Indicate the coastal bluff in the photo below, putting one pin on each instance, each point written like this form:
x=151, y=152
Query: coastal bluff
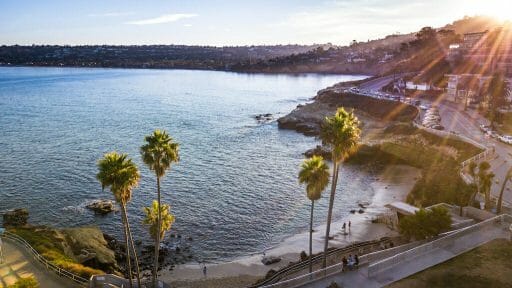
x=307, y=118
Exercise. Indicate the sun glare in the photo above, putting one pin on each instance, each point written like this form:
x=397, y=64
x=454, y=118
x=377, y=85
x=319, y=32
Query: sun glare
x=500, y=9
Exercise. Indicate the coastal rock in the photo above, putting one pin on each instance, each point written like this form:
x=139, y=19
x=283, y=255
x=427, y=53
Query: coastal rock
x=101, y=206
x=307, y=118
x=319, y=150
x=90, y=248
x=264, y=117
x=16, y=217
x=269, y=260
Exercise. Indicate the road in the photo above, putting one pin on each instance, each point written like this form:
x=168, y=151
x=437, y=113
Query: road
x=454, y=118
x=466, y=123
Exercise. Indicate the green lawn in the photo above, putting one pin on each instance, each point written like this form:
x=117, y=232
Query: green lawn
x=486, y=266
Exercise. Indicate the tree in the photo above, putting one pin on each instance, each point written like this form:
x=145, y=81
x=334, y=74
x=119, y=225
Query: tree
x=498, y=90
x=159, y=152
x=508, y=176
x=340, y=133
x=464, y=84
x=119, y=173
x=462, y=193
x=485, y=182
x=315, y=174
x=425, y=223
x=167, y=219
x=472, y=172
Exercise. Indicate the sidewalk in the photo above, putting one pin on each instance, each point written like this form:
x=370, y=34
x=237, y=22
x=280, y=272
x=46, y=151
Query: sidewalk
x=19, y=264
x=359, y=278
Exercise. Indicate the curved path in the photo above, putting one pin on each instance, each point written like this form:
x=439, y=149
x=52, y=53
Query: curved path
x=17, y=263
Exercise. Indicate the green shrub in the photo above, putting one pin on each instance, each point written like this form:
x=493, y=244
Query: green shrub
x=425, y=223
x=26, y=282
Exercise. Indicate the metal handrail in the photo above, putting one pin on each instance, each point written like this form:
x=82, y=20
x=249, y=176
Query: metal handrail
x=414, y=252
x=304, y=264
x=42, y=260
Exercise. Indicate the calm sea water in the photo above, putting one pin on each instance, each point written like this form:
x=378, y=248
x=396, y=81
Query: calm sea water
x=235, y=190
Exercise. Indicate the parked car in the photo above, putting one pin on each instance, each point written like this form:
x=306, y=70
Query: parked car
x=484, y=128
x=493, y=134
x=433, y=117
x=506, y=139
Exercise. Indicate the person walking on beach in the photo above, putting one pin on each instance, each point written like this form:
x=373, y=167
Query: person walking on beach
x=349, y=224
x=344, y=226
x=204, y=270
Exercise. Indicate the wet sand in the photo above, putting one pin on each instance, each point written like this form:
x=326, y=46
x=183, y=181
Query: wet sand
x=392, y=184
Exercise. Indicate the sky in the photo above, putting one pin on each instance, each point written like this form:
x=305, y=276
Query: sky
x=223, y=22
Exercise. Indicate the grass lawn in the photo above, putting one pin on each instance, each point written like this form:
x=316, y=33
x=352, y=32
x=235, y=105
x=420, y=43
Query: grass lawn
x=486, y=266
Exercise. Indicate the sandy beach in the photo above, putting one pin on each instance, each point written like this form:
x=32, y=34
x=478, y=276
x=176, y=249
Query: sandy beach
x=392, y=184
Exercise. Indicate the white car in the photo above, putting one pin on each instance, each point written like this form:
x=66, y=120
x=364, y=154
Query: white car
x=506, y=139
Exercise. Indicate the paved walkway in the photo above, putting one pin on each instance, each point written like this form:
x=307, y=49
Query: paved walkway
x=18, y=264
x=359, y=278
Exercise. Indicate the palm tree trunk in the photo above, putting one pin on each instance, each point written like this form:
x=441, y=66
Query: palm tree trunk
x=487, y=195
x=128, y=260
x=311, y=237
x=135, y=257
x=157, y=236
x=500, y=198
x=329, y=212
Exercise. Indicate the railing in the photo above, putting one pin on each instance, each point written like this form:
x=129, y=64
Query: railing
x=387, y=263
x=304, y=279
x=61, y=272
x=116, y=281
x=316, y=259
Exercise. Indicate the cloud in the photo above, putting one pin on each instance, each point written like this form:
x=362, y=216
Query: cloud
x=110, y=14
x=163, y=19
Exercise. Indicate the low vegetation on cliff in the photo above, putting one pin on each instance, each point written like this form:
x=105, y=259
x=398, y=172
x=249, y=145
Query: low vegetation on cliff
x=64, y=247
x=438, y=157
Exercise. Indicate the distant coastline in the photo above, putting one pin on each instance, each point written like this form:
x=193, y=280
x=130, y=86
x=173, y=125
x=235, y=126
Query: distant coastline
x=248, y=71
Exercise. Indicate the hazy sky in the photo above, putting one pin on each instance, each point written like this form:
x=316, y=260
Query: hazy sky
x=226, y=22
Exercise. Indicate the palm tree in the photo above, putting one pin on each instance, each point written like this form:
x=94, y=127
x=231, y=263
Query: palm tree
x=340, y=133
x=167, y=219
x=485, y=182
x=315, y=173
x=472, y=172
x=119, y=173
x=508, y=176
x=158, y=154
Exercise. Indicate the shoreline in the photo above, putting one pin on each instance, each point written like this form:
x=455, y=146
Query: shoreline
x=196, y=69
x=393, y=183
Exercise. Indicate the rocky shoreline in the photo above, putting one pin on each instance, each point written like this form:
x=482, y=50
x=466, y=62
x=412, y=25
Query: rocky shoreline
x=307, y=118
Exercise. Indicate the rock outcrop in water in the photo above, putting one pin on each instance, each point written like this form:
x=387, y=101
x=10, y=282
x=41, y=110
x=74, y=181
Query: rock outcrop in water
x=101, y=206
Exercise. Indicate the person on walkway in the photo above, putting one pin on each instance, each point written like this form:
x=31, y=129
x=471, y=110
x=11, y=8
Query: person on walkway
x=350, y=262
x=345, y=263
x=356, y=260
